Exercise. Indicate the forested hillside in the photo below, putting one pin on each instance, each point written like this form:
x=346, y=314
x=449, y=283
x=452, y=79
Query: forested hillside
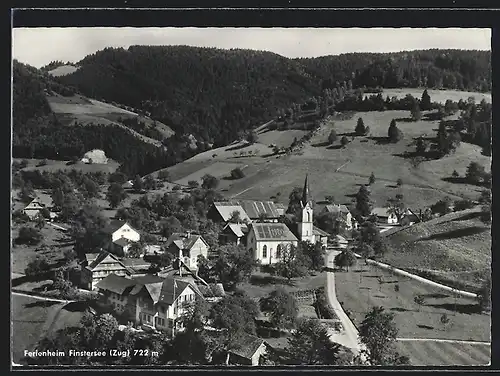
x=446, y=69
x=212, y=94
x=216, y=93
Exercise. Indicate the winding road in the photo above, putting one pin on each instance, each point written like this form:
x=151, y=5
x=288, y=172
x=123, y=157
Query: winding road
x=349, y=336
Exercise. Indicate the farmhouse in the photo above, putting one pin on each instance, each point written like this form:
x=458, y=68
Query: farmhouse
x=187, y=247
x=343, y=213
x=40, y=202
x=247, y=351
x=149, y=301
x=385, y=216
x=95, y=156
x=261, y=210
x=98, y=266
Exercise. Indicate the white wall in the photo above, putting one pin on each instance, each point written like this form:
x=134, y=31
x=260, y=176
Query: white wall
x=126, y=232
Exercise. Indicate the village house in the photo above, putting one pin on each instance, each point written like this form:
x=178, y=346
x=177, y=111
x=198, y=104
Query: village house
x=339, y=242
x=151, y=301
x=233, y=233
x=385, y=216
x=40, y=202
x=121, y=236
x=187, y=247
x=343, y=213
x=98, y=266
x=247, y=351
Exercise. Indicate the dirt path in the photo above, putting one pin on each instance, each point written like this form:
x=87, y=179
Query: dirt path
x=41, y=297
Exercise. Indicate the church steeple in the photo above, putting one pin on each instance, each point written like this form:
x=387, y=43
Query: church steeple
x=305, y=193
x=306, y=227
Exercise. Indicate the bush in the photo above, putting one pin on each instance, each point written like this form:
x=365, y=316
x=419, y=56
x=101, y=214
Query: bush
x=36, y=267
x=42, y=163
x=176, y=188
x=399, y=182
x=322, y=307
x=237, y=173
x=463, y=204
x=29, y=236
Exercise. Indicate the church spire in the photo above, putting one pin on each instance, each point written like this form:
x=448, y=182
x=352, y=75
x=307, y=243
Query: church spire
x=305, y=193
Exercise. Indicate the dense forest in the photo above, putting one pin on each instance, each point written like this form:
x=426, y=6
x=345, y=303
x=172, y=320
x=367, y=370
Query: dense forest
x=215, y=95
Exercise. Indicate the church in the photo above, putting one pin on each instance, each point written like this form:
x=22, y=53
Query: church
x=267, y=240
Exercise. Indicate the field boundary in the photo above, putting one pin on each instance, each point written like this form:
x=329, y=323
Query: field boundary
x=484, y=343
x=466, y=294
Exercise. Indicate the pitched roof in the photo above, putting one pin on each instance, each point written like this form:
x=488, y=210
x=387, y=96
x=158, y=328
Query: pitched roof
x=226, y=209
x=122, y=242
x=237, y=229
x=272, y=231
x=115, y=283
x=183, y=241
x=320, y=232
x=89, y=257
x=95, y=262
x=42, y=199
x=135, y=262
x=212, y=290
x=336, y=209
x=246, y=346
x=255, y=208
x=380, y=212
x=167, y=290
x=113, y=225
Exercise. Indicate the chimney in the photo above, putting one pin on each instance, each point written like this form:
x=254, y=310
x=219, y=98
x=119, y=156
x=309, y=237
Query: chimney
x=188, y=234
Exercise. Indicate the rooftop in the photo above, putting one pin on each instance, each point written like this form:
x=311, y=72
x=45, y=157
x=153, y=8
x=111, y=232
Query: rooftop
x=226, y=209
x=183, y=240
x=273, y=231
x=246, y=346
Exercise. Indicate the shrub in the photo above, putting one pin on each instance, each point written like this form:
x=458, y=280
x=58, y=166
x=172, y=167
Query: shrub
x=237, y=173
x=463, y=204
x=29, y=235
x=322, y=307
x=399, y=182
x=176, y=188
x=36, y=267
x=42, y=163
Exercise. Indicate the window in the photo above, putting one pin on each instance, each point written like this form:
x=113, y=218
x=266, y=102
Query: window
x=278, y=251
x=160, y=321
x=264, y=251
x=147, y=318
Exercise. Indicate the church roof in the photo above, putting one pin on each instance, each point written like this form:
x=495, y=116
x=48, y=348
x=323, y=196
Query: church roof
x=273, y=231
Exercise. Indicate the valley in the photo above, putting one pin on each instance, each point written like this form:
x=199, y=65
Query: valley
x=231, y=203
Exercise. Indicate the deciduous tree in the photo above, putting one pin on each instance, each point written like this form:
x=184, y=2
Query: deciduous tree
x=282, y=308
x=310, y=344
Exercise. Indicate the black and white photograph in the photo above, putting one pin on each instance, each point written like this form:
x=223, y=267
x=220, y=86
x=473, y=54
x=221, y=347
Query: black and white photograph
x=223, y=197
